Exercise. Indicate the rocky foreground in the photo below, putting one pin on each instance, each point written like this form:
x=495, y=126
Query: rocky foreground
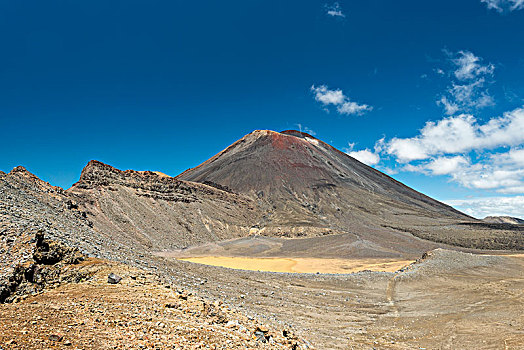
x=60, y=298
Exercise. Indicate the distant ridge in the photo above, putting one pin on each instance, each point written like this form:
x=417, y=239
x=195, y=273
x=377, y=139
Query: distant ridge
x=503, y=220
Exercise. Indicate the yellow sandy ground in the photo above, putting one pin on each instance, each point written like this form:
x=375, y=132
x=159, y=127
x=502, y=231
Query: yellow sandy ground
x=302, y=265
x=521, y=256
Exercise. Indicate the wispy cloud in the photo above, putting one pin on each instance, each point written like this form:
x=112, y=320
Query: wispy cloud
x=467, y=91
x=303, y=128
x=334, y=10
x=336, y=98
x=468, y=66
x=504, y=5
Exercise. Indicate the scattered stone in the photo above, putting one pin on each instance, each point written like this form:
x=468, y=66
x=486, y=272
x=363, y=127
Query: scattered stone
x=261, y=334
x=56, y=337
x=113, y=278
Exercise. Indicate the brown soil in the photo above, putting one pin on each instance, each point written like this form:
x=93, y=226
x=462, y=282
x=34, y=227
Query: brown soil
x=140, y=312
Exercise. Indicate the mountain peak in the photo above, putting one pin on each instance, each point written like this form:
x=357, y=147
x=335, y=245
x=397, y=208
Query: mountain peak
x=19, y=169
x=96, y=169
x=294, y=167
x=279, y=140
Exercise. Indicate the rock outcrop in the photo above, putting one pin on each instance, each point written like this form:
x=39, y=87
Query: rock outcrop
x=46, y=268
x=157, y=211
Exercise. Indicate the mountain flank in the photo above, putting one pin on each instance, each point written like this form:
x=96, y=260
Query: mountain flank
x=304, y=184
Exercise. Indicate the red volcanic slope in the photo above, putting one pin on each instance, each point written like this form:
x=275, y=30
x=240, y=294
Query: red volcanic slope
x=293, y=163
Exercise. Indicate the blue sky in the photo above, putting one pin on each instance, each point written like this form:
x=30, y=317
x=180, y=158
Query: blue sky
x=164, y=85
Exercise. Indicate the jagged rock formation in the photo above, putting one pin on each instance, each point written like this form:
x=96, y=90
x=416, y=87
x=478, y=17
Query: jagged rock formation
x=29, y=205
x=157, y=211
x=45, y=268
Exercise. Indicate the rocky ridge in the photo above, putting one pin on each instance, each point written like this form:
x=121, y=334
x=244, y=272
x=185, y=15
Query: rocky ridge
x=160, y=212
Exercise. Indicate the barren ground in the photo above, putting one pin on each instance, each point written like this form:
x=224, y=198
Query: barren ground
x=302, y=265
x=140, y=312
x=451, y=300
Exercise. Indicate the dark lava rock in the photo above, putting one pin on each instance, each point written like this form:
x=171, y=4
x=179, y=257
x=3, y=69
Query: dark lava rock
x=50, y=252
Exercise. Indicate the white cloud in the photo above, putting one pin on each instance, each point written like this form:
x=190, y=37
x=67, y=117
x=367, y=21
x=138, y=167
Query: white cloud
x=514, y=156
x=483, y=155
x=468, y=66
x=459, y=134
x=486, y=156
x=487, y=206
x=503, y=172
x=337, y=98
x=471, y=96
x=450, y=107
x=365, y=156
x=350, y=107
x=512, y=190
x=326, y=96
x=334, y=10
x=446, y=165
x=438, y=166
x=485, y=176
x=467, y=91
x=504, y=5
